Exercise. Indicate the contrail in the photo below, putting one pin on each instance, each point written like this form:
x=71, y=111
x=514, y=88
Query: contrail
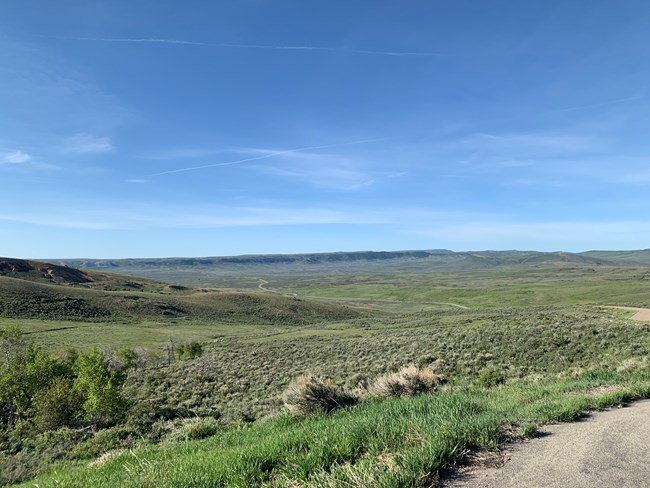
x=265, y=156
x=242, y=46
x=598, y=104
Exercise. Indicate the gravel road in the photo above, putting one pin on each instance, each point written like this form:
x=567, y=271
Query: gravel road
x=608, y=449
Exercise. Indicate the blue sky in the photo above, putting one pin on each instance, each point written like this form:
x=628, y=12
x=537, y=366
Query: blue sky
x=162, y=128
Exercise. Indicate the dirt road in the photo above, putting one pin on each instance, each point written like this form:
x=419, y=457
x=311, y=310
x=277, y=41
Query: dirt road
x=641, y=314
x=609, y=449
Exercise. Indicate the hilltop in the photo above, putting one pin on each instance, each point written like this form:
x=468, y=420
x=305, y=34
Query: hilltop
x=61, y=274
x=36, y=289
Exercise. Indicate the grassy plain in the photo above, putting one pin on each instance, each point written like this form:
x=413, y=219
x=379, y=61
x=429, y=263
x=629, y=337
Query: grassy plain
x=556, y=285
x=58, y=336
x=544, y=329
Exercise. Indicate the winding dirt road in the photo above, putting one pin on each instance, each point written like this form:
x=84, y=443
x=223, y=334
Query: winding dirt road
x=608, y=449
x=642, y=314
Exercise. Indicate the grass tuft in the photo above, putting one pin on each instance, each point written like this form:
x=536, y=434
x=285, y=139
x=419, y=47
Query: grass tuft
x=310, y=394
x=408, y=381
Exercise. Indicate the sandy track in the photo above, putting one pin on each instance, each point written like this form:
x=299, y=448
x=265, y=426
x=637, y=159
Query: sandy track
x=609, y=449
x=642, y=314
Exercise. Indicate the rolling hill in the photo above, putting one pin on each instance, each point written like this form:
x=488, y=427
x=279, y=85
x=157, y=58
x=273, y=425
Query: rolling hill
x=35, y=289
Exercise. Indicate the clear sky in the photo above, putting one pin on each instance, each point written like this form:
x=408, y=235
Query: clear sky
x=150, y=128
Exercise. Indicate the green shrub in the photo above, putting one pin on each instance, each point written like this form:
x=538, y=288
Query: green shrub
x=101, y=388
x=57, y=406
x=190, y=350
x=24, y=371
x=105, y=441
x=196, y=428
x=148, y=412
x=408, y=381
x=128, y=357
x=310, y=394
x=491, y=377
x=35, y=452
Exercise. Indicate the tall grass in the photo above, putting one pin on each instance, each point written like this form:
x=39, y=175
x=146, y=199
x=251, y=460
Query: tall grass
x=391, y=443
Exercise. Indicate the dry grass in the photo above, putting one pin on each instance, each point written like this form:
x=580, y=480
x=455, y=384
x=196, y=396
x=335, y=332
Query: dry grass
x=310, y=394
x=408, y=381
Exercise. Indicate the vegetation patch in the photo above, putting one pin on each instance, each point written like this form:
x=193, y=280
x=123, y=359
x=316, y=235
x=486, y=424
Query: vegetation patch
x=185, y=387
x=403, y=442
x=309, y=394
x=408, y=381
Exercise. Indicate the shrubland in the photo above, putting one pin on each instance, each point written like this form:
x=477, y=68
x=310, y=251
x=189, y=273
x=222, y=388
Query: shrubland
x=234, y=382
x=183, y=387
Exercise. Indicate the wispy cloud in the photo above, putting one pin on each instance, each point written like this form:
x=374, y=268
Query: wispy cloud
x=15, y=157
x=66, y=220
x=181, y=153
x=47, y=97
x=527, y=142
x=139, y=216
x=604, y=103
x=551, y=235
x=641, y=177
x=83, y=143
x=329, y=171
x=224, y=45
x=266, y=156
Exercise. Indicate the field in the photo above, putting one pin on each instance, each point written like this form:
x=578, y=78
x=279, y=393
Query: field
x=540, y=331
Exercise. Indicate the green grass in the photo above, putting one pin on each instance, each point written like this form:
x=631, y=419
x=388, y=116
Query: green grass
x=495, y=288
x=22, y=298
x=394, y=443
x=540, y=327
x=247, y=372
x=58, y=336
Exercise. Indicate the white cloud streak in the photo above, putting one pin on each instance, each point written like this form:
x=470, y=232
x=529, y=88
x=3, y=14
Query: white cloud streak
x=596, y=105
x=181, y=153
x=15, y=157
x=573, y=235
x=527, y=142
x=179, y=217
x=265, y=156
x=58, y=220
x=246, y=46
x=329, y=171
x=84, y=143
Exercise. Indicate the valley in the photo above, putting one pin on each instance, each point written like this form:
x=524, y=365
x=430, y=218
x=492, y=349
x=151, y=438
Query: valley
x=556, y=324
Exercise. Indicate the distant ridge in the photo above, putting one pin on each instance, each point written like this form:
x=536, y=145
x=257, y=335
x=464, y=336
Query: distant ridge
x=244, y=269
x=641, y=256
x=439, y=257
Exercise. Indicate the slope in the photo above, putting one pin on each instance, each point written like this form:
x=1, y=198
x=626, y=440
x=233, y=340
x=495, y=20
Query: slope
x=36, y=290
